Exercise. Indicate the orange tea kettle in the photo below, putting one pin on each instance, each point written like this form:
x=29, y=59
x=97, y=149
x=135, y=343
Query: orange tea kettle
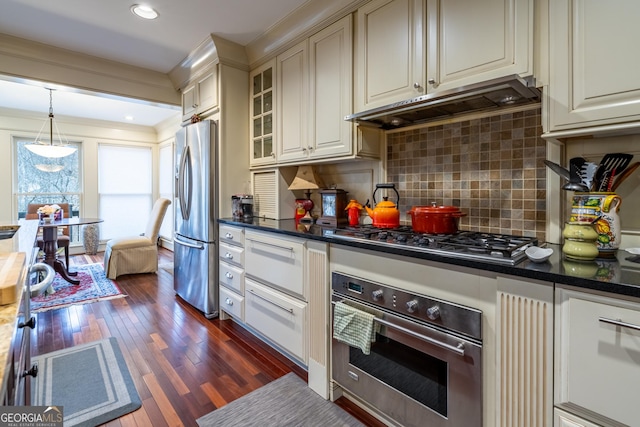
x=385, y=214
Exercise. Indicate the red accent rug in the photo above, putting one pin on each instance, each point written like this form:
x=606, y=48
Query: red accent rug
x=94, y=286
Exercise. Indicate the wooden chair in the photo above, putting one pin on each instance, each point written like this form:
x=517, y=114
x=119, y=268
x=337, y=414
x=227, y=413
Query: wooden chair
x=63, y=239
x=136, y=254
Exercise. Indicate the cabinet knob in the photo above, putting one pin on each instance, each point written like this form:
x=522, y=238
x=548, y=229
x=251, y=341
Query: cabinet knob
x=417, y=85
x=31, y=323
x=228, y=255
x=31, y=372
x=310, y=148
x=229, y=236
x=228, y=301
x=304, y=149
x=229, y=275
x=431, y=81
x=273, y=154
x=194, y=106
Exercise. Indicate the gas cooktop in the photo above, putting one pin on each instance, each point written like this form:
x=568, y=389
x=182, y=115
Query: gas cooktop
x=490, y=247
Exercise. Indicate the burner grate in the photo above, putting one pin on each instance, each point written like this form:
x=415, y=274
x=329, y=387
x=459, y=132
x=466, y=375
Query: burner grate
x=470, y=244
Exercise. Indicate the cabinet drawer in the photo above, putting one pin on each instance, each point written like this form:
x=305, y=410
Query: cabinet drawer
x=598, y=346
x=232, y=277
x=276, y=261
x=232, y=254
x=231, y=303
x=278, y=317
x=232, y=235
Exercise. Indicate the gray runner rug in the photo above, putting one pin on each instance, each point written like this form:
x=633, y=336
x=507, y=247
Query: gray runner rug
x=90, y=381
x=286, y=401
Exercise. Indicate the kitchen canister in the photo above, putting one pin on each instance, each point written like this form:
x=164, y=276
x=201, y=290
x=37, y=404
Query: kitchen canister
x=580, y=241
x=601, y=210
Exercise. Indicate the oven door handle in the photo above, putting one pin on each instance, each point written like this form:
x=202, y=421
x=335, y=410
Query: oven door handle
x=459, y=349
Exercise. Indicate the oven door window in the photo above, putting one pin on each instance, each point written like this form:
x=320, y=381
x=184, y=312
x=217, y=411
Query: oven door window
x=412, y=372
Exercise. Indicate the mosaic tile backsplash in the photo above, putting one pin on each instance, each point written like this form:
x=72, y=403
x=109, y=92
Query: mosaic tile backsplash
x=492, y=168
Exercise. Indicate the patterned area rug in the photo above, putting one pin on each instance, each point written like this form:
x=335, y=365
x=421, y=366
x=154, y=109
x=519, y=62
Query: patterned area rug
x=94, y=286
x=90, y=382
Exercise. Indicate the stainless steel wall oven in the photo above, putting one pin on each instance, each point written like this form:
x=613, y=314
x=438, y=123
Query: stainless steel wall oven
x=424, y=367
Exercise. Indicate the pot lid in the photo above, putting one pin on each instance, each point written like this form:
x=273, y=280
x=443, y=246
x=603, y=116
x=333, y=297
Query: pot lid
x=435, y=209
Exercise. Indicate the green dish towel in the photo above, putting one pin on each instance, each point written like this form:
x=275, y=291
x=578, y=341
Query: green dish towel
x=353, y=327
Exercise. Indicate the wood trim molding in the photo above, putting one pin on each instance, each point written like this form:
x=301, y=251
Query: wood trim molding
x=302, y=23
x=29, y=60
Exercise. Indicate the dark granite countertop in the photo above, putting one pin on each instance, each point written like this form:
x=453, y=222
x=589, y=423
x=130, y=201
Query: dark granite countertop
x=618, y=276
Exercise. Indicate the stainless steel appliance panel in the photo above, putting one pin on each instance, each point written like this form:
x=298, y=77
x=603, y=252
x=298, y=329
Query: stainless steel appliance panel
x=416, y=373
x=196, y=203
x=195, y=274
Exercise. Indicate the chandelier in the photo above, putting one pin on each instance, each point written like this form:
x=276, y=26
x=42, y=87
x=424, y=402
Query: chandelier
x=50, y=149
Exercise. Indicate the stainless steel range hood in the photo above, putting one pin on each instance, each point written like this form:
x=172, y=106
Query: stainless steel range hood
x=494, y=94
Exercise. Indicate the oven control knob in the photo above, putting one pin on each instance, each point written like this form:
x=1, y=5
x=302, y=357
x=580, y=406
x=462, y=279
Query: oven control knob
x=377, y=294
x=433, y=313
x=412, y=305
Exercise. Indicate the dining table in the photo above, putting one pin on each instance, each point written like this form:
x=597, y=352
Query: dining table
x=50, y=244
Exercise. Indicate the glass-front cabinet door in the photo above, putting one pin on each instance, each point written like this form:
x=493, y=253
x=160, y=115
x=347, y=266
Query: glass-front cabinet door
x=262, y=99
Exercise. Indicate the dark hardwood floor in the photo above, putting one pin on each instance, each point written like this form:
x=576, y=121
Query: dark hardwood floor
x=183, y=365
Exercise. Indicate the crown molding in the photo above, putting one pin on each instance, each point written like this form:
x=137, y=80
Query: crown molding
x=22, y=58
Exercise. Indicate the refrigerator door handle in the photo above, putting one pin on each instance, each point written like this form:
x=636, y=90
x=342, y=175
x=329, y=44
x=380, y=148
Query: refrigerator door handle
x=185, y=184
x=177, y=239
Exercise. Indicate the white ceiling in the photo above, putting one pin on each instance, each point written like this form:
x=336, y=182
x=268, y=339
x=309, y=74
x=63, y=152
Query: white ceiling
x=109, y=30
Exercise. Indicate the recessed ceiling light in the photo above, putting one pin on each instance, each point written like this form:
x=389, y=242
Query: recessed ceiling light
x=130, y=118
x=146, y=12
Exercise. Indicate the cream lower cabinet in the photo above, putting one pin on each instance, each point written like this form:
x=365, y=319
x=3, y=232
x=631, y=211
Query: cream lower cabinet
x=593, y=74
x=231, y=272
x=597, y=364
x=524, y=353
x=276, y=292
x=565, y=419
x=470, y=42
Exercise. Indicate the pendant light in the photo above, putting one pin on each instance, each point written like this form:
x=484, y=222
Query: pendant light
x=50, y=150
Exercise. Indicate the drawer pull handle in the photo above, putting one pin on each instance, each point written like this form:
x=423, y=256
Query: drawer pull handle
x=228, y=255
x=229, y=301
x=286, y=248
x=288, y=310
x=229, y=236
x=229, y=275
x=619, y=322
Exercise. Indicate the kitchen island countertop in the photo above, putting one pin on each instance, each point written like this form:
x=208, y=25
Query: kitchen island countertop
x=618, y=275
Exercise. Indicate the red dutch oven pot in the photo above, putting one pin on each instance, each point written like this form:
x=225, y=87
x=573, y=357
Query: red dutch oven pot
x=435, y=219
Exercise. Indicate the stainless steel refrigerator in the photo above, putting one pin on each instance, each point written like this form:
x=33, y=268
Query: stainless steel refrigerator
x=195, y=277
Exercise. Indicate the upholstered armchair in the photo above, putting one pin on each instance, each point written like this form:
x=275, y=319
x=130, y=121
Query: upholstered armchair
x=137, y=254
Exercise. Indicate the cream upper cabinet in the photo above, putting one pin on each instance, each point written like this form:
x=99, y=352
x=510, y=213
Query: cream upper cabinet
x=261, y=115
x=474, y=41
x=292, y=89
x=201, y=96
x=314, y=94
x=389, y=52
x=330, y=97
x=597, y=367
x=594, y=63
